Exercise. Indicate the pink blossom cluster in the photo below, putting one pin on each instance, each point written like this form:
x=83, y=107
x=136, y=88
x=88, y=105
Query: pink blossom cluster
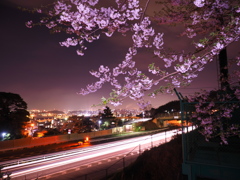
x=216, y=113
x=83, y=19
x=86, y=20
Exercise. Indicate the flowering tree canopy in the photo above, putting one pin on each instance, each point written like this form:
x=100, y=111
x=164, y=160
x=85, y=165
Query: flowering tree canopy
x=214, y=24
x=86, y=20
x=217, y=113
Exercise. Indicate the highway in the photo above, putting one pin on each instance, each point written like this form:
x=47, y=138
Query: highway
x=53, y=163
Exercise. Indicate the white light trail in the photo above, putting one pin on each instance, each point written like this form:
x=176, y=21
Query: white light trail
x=95, y=151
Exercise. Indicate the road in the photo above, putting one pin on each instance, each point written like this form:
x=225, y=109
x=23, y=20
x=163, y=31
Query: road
x=73, y=161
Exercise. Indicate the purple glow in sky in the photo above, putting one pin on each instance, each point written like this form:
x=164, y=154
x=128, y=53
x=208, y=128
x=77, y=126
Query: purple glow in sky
x=47, y=76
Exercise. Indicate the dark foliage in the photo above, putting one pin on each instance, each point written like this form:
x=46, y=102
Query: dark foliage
x=13, y=114
x=87, y=125
x=107, y=112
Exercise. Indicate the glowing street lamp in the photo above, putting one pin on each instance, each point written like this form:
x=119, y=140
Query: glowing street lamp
x=99, y=122
x=3, y=135
x=32, y=125
x=86, y=140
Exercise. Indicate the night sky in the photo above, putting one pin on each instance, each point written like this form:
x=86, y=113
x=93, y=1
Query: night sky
x=47, y=76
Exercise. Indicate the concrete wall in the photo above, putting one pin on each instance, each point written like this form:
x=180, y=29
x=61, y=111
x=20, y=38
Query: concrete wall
x=35, y=141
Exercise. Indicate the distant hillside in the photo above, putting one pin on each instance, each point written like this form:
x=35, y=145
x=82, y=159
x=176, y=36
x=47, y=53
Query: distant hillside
x=172, y=106
x=56, y=112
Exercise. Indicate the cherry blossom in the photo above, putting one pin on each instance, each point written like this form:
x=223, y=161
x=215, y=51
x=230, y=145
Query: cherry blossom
x=218, y=22
x=214, y=113
x=88, y=22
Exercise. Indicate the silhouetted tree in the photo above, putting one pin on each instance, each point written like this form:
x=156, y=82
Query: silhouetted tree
x=13, y=114
x=107, y=112
x=88, y=125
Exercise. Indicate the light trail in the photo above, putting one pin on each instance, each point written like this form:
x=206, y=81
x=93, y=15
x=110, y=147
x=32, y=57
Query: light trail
x=90, y=152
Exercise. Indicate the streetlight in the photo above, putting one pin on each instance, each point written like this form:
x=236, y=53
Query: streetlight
x=99, y=122
x=3, y=135
x=32, y=125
